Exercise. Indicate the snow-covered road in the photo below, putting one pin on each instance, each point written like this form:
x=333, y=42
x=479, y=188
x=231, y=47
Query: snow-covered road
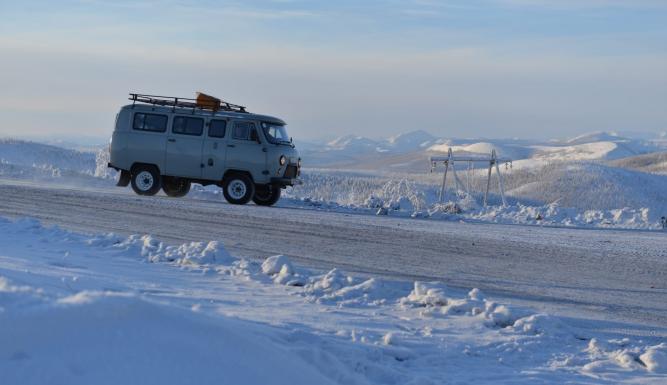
x=617, y=276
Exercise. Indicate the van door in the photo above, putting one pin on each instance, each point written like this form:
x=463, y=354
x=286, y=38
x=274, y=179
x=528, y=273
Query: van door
x=215, y=150
x=184, y=147
x=244, y=152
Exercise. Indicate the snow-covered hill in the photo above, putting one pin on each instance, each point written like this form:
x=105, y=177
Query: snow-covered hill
x=587, y=185
x=655, y=162
x=32, y=160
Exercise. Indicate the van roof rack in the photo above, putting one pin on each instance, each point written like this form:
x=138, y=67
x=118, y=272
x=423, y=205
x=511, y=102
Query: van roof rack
x=174, y=102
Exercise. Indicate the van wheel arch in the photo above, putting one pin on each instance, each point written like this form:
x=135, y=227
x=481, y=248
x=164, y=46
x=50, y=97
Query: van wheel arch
x=231, y=172
x=136, y=166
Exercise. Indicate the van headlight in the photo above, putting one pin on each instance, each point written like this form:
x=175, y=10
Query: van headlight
x=298, y=163
x=283, y=160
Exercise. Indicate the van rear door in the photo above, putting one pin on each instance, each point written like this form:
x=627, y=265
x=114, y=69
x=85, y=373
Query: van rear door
x=184, y=147
x=215, y=150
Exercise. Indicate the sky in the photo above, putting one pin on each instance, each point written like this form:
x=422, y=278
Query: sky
x=477, y=68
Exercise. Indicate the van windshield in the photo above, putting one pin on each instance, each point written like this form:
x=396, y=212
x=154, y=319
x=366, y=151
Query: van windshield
x=275, y=133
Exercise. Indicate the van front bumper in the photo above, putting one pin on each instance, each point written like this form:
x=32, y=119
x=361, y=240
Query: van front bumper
x=283, y=182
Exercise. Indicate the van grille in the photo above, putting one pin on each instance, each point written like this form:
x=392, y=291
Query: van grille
x=290, y=172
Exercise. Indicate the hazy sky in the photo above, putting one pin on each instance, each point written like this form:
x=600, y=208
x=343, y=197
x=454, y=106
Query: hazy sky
x=494, y=68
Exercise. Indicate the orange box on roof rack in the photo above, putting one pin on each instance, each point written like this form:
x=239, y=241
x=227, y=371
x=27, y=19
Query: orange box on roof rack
x=207, y=102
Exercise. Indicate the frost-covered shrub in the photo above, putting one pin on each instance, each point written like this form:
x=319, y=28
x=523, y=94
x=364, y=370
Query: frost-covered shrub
x=374, y=202
x=102, y=158
x=445, y=208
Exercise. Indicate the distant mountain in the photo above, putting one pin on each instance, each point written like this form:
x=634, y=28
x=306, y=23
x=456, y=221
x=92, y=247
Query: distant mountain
x=411, y=141
x=408, y=141
x=598, y=136
x=353, y=143
x=502, y=148
x=410, y=151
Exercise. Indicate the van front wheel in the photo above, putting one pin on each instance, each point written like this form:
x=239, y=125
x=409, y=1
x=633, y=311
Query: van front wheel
x=266, y=195
x=146, y=180
x=238, y=189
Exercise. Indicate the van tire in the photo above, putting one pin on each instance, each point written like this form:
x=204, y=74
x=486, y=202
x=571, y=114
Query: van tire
x=266, y=195
x=238, y=189
x=175, y=187
x=146, y=180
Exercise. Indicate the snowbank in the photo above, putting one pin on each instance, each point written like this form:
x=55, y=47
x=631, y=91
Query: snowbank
x=136, y=310
x=119, y=338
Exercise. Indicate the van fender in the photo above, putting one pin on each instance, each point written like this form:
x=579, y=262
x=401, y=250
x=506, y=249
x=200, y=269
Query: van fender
x=233, y=171
x=124, y=178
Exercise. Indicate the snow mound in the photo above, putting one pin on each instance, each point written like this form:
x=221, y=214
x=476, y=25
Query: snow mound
x=280, y=269
x=368, y=292
x=432, y=297
x=655, y=358
x=541, y=324
x=620, y=353
x=153, y=250
x=427, y=294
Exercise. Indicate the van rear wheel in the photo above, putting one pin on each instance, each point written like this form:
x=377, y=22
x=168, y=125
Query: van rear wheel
x=238, y=189
x=266, y=195
x=175, y=187
x=146, y=180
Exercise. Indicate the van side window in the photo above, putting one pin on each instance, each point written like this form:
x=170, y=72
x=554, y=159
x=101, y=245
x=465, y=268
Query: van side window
x=187, y=126
x=242, y=130
x=150, y=122
x=217, y=128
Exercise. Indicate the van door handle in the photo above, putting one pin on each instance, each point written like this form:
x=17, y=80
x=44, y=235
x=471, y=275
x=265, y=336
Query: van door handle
x=231, y=145
x=171, y=140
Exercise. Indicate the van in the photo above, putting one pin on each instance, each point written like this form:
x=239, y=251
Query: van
x=168, y=143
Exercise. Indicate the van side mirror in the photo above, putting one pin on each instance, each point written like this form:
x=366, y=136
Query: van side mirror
x=254, y=136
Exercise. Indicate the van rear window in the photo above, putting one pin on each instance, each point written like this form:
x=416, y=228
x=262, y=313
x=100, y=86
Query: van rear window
x=217, y=128
x=150, y=122
x=187, y=126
